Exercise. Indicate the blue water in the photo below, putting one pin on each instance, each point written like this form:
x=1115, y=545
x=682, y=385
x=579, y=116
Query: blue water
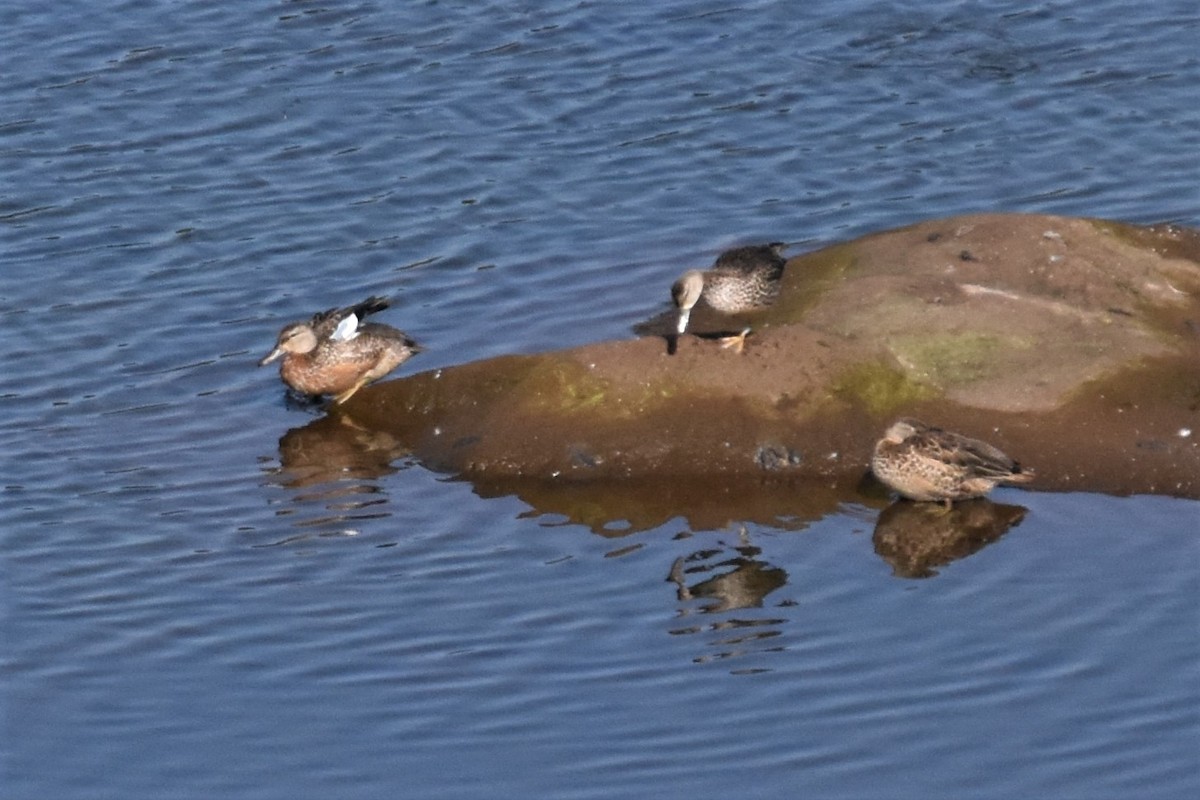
x=187, y=615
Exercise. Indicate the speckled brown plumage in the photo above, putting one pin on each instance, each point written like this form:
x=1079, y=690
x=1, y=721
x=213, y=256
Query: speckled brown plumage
x=740, y=280
x=922, y=462
x=335, y=354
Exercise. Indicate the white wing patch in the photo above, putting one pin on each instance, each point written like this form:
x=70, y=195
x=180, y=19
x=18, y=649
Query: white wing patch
x=346, y=330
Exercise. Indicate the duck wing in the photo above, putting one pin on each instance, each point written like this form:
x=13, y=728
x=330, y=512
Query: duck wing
x=328, y=324
x=765, y=258
x=976, y=458
x=347, y=329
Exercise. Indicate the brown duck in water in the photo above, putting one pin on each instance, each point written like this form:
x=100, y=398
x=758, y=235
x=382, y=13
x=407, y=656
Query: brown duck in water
x=334, y=353
x=742, y=279
x=922, y=462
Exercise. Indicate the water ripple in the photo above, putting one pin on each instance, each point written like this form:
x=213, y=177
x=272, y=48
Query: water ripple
x=205, y=585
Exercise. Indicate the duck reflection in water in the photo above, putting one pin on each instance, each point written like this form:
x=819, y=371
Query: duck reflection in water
x=916, y=538
x=337, y=463
x=333, y=448
x=741, y=581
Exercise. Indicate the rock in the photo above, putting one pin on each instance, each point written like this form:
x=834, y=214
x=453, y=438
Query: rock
x=1071, y=344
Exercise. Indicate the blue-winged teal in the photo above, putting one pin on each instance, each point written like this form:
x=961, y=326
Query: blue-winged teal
x=742, y=279
x=334, y=353
x=926, y=463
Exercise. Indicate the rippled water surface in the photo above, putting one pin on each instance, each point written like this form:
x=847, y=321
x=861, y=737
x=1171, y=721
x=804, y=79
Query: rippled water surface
x=207, y=593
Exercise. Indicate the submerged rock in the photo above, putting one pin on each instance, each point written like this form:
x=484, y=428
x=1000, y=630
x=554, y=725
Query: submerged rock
x=1072, y=344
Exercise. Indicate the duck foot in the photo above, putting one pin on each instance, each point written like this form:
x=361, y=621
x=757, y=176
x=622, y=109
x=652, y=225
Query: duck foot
x=737, y=343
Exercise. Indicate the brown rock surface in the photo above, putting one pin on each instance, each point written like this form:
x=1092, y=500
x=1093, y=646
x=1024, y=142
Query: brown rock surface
x=1072, y=344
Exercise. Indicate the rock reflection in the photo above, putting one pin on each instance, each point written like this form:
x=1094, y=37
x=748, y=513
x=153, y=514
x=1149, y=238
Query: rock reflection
x=916, y=538
x=619, y=508
x=729, y=582
x=335, y=463
x=718, y=586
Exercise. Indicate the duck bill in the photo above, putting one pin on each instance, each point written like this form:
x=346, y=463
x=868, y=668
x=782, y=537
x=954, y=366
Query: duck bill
x=684, y=315
x=271, y=356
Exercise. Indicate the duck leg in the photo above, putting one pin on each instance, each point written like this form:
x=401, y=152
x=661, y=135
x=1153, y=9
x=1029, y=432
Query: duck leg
x=737, y=342
x=346, y=395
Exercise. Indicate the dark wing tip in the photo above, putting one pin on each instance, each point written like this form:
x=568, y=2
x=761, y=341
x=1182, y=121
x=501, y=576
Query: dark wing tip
x=371, y=305
x=1022, y=474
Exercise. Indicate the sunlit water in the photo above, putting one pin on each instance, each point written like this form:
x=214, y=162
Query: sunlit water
x=188, y=613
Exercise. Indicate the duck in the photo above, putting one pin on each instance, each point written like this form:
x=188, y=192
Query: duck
x=740, y=280
x=335, y=353
x=929, y=464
